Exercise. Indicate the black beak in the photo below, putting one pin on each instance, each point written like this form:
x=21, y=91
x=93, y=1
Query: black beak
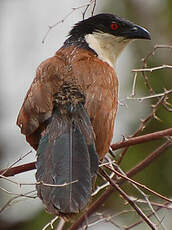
x=137, y=32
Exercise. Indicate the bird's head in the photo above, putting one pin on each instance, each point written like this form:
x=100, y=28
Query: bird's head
x=106, y=34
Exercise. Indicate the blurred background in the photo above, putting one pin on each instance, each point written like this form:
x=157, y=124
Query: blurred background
x=23, y=25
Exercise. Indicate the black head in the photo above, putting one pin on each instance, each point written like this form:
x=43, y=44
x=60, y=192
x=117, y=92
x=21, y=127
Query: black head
x=109, y=23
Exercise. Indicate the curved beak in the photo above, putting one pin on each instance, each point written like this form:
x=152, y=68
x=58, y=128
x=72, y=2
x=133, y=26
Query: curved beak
x=137, y=32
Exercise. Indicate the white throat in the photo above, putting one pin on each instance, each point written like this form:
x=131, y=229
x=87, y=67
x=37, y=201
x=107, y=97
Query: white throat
x=107, y=46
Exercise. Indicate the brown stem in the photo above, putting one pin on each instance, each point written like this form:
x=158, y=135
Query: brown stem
x=18, y=169
x=131, y=141
x=142, y=139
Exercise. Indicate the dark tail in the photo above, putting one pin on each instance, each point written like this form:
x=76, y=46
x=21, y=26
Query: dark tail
x=66, y=154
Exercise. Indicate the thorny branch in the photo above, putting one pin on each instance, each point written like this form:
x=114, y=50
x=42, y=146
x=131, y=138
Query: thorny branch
x=140, y=222
x=124, y=143
x=86, y=6
x=36, y=183
x=138, y=184
x=143, y=123
x=162, y=97
x=126, y=198
x=138, y=168
x=18, y=169
x=50, y=223
x=166, y=205
x=15, y=162
x=142, y=139
x=145, y=60
x=153, y=69
x=10, y=201
x=138, y=187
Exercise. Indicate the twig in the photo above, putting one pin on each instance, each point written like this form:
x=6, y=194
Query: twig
x=15, y=162
x=87, y=6
x=140, y=99
x=100, y=187
x=143, y=123
x=50, y=223
x=138, y=184
x=140, y=222
x=103, y=218
x=16, y=194
x=144, y=69
x=134, y=85
x=14, y=198
x=94, y=6
x=165, y=205
x=126, y=197
x=138, y=168
x=67, y=15
x=37, y=183
x=153, y=68
x=145, y=59
x=156, y=47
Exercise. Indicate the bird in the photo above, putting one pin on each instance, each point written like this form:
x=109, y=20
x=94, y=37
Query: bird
x=69, y=111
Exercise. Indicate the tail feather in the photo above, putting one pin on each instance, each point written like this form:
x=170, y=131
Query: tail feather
x=87, y=131
x=66, y=154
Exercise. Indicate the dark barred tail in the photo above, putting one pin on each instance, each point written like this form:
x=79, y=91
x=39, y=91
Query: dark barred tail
x=66, y=154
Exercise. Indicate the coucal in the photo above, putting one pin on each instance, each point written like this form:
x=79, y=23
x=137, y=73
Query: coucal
x=69, y=111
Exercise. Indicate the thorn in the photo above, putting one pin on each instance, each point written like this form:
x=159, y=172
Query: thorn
x=157, y=118
x=124, y=138
x=143, y=127
x=126, y=202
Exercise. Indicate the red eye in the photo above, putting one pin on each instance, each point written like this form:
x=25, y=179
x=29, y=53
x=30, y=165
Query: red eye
x=114, y=26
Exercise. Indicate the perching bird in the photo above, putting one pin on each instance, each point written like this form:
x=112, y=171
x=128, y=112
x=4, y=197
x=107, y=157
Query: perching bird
x=69, y=111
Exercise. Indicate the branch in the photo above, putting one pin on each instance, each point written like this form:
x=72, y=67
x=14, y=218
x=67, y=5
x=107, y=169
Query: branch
x=86, y=6
x=138, y=168
x=143, y=123
x=37, y=183
x=142, y=139
x=18, y=169
x=126, y=197
x=145, y=69
x=139, y=222
x=166, y=205
x=138, y=184
x=16, y=197
x=51, y=223
x=156, y=47
x=153, y=68
x=125, y=143
x=140, y=99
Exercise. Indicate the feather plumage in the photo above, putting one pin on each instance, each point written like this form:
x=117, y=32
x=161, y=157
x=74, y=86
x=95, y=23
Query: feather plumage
x=66, y=154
